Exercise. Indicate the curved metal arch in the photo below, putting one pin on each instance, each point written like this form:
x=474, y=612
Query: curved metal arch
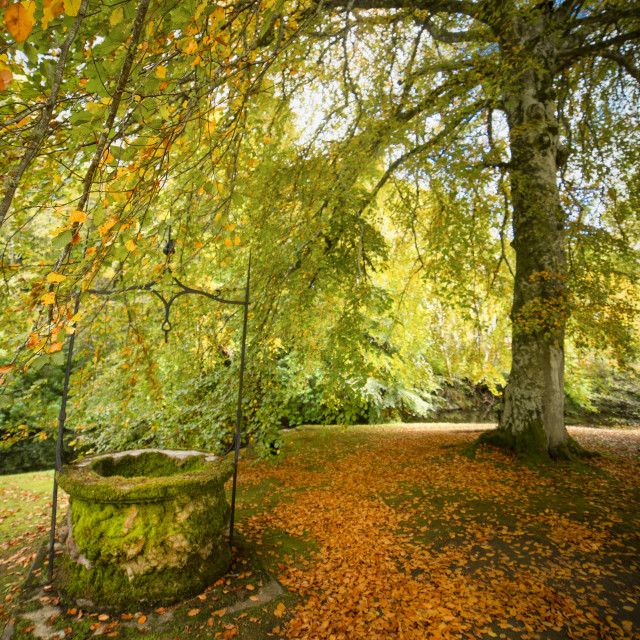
x=168, y=302
x=166, y=327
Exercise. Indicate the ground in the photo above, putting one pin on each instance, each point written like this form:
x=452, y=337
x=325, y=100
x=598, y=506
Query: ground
x=388, y=532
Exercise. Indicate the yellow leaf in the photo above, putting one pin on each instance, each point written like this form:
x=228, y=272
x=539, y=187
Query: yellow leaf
x=217, y=16
x=55, y=278
x=48, y=298
x=116, y=16
x=161, y=72
x=192, y=47
x=130, y=245
x=77, y=317
x=201, y=7
x=58, y=230
x=237, y=239
x=19, y=19
x=78, y=216
x=279, y=610
x=71, y=7
x=107, y=157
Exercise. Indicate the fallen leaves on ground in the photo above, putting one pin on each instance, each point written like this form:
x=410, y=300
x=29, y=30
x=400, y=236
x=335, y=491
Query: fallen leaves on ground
x=25, y=515
x=416, y=541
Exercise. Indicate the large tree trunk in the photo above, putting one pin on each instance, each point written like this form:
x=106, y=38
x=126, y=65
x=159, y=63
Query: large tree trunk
x=532, y=420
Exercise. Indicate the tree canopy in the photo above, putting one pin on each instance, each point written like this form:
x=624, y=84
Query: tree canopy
x=398, y=170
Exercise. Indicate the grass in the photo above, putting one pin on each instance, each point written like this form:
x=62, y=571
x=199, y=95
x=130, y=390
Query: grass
x=392, y=532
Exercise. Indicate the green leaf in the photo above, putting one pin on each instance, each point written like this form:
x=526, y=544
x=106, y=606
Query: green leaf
x=58, y=358
x=62, y=239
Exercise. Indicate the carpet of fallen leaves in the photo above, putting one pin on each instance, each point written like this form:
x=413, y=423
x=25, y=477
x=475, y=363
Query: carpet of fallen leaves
x=25, y=516
x=417, y=541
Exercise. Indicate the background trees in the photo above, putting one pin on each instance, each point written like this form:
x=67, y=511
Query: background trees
x=374, y=158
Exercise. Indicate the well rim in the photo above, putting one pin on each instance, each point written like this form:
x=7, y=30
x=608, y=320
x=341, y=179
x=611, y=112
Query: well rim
x=81, y=481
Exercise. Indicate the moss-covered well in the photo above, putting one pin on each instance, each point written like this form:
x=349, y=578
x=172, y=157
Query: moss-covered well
x=144, y=527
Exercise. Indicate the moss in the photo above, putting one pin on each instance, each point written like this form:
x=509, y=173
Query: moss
x=86, y=483
x=147, y=540
x=110, y=584
x=531, y=443
x=151, y=464
x=572, y=450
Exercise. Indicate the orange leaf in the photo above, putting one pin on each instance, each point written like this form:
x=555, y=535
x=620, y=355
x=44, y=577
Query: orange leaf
x=279, y=610
x=6, y=77
x=19, y=19
x=56, y=346
x=142, y=619
x=193, y=612
x=6, y=368
x=103, y=617
x=78, y=216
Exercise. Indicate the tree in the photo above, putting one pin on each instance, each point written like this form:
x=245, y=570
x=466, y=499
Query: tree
x=527, y=60
x=192, y=109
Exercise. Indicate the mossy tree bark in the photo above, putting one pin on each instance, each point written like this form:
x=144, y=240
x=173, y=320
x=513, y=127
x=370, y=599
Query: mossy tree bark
x=533, y=417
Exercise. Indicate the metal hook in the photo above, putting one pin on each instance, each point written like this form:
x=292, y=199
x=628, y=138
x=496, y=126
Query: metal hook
x=169, y=248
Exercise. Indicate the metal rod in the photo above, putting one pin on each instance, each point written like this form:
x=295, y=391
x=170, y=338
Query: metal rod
x=239, y=410
x=62, y=417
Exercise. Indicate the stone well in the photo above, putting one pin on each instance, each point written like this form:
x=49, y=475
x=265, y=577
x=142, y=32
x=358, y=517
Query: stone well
x=144, y=527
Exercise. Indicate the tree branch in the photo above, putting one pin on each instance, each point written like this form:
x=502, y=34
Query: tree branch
x=450, y=7
x=452, y=37
x=42, y=128
x=624, y=62
x=571, y=55
x=564, y=11
x=609, y=17
x=430, y=144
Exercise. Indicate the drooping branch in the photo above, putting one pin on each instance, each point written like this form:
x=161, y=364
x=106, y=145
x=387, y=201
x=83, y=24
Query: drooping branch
x=566, y=9
x=624, y=62
x=453, y=37
x=421, y=148
x=568, y=56
x=42, y=128
x=450, y=7
x=610, y=16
